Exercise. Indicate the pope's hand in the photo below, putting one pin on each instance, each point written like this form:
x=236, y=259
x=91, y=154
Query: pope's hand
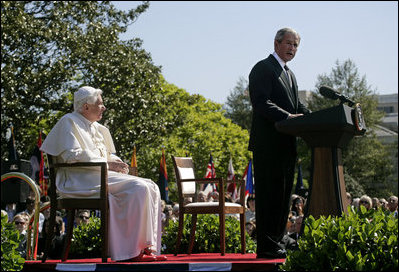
x=118, y=166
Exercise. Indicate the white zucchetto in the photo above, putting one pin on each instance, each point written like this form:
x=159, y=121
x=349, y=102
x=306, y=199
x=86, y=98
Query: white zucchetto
x=84, y=92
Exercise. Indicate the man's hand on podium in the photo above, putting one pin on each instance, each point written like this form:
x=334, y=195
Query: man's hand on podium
x=294, y=115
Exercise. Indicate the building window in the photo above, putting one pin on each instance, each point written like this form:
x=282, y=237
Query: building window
x=386, y=109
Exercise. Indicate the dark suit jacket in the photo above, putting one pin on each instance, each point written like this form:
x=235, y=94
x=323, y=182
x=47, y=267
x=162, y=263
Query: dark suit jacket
x=272, y=100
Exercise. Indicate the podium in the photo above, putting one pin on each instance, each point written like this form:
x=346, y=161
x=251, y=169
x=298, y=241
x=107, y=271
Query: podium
x=326, y=132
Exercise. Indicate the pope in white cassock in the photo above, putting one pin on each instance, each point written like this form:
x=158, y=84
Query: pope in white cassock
x=134, y=202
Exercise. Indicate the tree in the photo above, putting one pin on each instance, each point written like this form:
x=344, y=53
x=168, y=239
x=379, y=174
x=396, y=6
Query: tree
x=194, y=127
x=365, y=159
x=50, y=48
x=238, y=106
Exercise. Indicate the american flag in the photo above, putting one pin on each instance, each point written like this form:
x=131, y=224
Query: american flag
x=232, y=188
x=210, y=170
x=210, y=173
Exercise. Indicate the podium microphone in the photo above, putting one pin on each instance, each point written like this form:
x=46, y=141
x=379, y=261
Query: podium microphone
x=333, y=94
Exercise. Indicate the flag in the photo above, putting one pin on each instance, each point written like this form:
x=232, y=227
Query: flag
x=133, y=161
x=249, y=185
x=12, y=151
x=210, y=170
x=210, y=173
x=38, y=167
x=299, y=182
x=163, y=179
x=232, y=188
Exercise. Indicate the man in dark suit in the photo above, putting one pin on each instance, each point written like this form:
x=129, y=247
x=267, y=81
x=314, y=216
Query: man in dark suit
x=274, y=96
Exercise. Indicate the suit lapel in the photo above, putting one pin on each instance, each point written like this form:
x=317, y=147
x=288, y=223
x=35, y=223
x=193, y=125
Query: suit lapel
x=294, y=90
x=282, y=77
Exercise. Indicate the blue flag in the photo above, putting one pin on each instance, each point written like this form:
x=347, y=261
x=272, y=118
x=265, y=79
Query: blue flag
x=163, y=179
x=249, y=184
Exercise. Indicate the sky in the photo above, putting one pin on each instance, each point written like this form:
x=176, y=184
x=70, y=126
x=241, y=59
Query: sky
x=205, y=47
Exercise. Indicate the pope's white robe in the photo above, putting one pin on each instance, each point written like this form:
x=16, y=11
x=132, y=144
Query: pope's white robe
x=134, y=202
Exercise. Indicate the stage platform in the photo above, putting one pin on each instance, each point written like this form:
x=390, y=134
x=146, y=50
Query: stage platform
x=181, y=262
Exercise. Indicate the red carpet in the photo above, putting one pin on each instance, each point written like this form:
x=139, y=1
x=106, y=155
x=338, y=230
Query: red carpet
x=181, y=262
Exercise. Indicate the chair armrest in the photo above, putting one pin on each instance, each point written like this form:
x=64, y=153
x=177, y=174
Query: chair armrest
x=203, y=180
x=104, y=173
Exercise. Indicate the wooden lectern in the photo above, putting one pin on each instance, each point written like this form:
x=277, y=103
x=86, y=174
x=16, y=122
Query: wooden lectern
x=326, y=132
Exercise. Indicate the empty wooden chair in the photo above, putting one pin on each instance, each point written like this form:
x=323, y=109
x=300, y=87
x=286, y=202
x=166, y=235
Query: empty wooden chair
x=187, y=187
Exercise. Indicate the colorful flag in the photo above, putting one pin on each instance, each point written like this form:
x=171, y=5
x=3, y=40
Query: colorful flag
x=38, y=167
x=210, y=170
x=163, y=179
x=232, y=187
x=210, y=173
x=133, y=161
x=249, y=185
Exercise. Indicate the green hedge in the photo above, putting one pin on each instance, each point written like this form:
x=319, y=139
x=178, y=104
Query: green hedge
x=358, y=241
x=207, y=238
x=86, y=241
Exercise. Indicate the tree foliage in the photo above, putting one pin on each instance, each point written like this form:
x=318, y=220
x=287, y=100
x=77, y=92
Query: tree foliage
x=194, y=127
x=50, y=48
x=365, y=159
x=238, y=106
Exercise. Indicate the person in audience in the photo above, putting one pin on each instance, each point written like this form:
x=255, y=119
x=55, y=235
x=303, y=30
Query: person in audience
x=366, y=201
x=295, y=218
x=393, y=204
x=201, y=196
x=250, y=227
x=175, y=211
x=297, y=206
x=134, y=203
x=168, y=217
x=349, y=198
x=11, y=209
x=20, y=221
x=355, y=203
x=384, y=203
x=83, y=217
x=250, y=211
x=30, y=209
x=376, y=203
